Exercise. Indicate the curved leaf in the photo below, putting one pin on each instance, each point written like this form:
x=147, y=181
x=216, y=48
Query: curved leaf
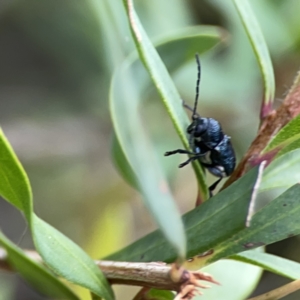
x=207, y=225
x=163, y=84
x=122, y=164
x=287, y=135
x=154, y=294
x=37, y=275
x=283, y=172
x=272, y=263
x=140, y=155
x=261, y=51
x=212, y=227
x=189, y=41
x=274, y=222
x=67, y=259
x=14, y=184
x=53, y=246
x=290, y=147
x=242, y=278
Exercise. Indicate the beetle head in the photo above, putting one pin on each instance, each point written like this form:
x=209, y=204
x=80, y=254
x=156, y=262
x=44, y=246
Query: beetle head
x=198, y=127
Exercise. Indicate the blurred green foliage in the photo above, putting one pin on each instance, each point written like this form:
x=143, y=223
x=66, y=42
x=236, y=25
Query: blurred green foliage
x=57, y=58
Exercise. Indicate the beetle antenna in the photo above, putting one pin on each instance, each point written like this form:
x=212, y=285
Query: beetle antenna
x=195, y=115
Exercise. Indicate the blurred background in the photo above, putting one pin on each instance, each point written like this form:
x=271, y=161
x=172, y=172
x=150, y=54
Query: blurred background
x=56, y=61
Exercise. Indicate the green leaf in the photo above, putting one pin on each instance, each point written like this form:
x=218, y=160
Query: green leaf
x=283, y=172
x=154, y=294
x=163, y=84
x=276, y=221
x=290, y=147
x=122, y=164
x=140, y=155
x=67, y=259
x=207, y=226
x=95, y=297
x=286, y=136
x=53, y=246
x=14, y=184
x=243, y=280
x=261, y=52
x=272, y=263
x=36, y=274
x=189, y=41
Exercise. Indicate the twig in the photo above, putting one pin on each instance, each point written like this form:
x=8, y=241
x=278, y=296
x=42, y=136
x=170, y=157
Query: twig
x=279, y=292
x=155, y=275
x=152, y=275
x=270, y=126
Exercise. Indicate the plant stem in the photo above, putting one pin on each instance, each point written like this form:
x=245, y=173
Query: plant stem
x=279, y=292
x=156, y=275
x=269, y=127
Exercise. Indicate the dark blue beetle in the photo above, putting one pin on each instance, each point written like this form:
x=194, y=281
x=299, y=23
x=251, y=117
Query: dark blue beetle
x=210, y=145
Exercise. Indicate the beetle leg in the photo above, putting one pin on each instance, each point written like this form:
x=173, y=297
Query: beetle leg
x=195, y=157
x=213, y=186
x=188, y=161
x=180, y=151
x=215, y=171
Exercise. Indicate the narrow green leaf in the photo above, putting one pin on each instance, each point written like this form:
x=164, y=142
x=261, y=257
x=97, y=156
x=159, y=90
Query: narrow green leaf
x=154, y=294
x=242, y=280
x=14, y=184
x=208, y=225
x=95, y=297
x=272, y=263
x=290, y=147
x=53, y=246
x=122, y=164
x=287, y=135
x=283, y=172
x=36, y=274
x=140, y=155
x=276, y=221
x=163, y=84
x=189, y=41
x=67, y=259
x=261, y=51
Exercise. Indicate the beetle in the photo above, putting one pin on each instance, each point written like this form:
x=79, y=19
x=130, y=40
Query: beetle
x=208, y=142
